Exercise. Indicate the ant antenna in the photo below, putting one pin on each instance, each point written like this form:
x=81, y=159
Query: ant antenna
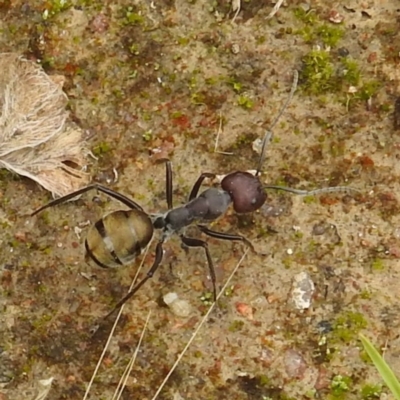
x=314, y=192
x=268, y=135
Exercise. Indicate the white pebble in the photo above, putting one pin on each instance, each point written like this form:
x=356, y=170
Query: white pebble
x=179, y=307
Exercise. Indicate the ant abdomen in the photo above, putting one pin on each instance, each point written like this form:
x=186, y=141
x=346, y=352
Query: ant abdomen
x=118, y=238
x=246, y=191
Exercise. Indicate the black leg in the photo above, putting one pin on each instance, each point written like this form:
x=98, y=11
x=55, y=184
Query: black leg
x=112, y=193
x=192, y=242
x=168, y=180
x=225, y=236
x=168, y=183
x=150, y=273
x=196, y=186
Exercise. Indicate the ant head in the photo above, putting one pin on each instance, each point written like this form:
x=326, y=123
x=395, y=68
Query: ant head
x=246, y=191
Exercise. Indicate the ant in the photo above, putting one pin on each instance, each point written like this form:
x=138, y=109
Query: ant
x=120, y=236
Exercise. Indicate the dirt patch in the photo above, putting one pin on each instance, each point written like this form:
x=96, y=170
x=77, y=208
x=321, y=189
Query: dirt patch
x=144, y=78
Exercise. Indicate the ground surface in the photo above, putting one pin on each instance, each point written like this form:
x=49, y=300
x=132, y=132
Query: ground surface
x=147, y=77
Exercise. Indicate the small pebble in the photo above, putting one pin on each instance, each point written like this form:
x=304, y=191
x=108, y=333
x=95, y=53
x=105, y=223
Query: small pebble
x=302, y=290
x=179, y=307
x=235, y=48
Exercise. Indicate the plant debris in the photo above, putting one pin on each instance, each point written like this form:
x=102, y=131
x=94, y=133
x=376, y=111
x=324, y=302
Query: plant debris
x=35, y=139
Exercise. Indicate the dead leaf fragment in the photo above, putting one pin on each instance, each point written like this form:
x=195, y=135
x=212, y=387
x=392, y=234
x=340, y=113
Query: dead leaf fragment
x=35, y=140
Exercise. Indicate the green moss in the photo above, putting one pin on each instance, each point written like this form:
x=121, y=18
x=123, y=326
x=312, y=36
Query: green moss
x=198, y=354
x=370, y=391
x=147, y=136
x=244, y=140
x=25, y=264
x=42, y=322
x=207, y=298
x=365, y=294
x=55, y=7
x=264, y=380
x=314, y=30
x=287, y=262
x=309, y=199
x=340, y=385
x=101, y=148
x=317, y=72
x=307, y=17
x=245, y=102
x=236, y=326
x=298, y=235
x=132, y=16
x=229, y=291
x=377, y=264
x=348, y=325
x=368, y=90
x=351, y=71
x=236, y=85
x=330, y=35
x=183, y=41
x=198, y=98
x=134, y=49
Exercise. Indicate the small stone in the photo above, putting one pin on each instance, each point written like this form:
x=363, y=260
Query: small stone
x=235, y=48
x=302, y=291
x=179, y=307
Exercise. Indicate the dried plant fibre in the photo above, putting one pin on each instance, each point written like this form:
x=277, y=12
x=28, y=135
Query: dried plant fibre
x=36, y=140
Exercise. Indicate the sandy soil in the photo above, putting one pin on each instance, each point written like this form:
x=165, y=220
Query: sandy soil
x=145, y=78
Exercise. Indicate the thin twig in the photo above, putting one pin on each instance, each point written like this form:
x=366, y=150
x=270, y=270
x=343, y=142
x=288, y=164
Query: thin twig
x=180, y=356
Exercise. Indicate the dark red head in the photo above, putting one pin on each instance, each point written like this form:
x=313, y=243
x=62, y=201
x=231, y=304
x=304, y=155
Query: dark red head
x=246, y=191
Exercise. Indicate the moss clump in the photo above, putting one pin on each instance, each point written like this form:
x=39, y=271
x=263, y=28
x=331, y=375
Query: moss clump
x=316, y=31
x=101, y=148
x=55, y=7
x=368, y=90
x=318, y=72
x=340, y=385
x=236, y=326
x=245, y=102
x=347, y=326
x=207, y=298
x=351, y=71
x=323, y=73
x=329, y=35
x=132, y=16
x=377, y=264
x=371, y=392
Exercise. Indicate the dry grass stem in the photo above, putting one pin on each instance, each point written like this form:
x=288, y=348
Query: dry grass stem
x=44, y=386
x=124, y=378
x=217, y=138
x=236, y=5
x=275, y=9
